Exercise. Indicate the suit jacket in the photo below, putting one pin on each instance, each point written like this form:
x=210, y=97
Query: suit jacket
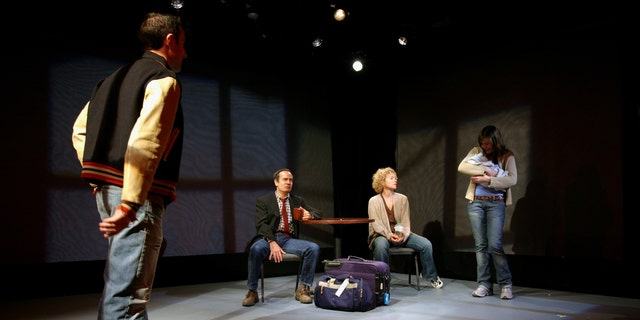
x=268, y=215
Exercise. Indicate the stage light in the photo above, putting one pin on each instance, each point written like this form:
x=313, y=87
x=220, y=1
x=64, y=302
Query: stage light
x=357, y=65
x=252, y=15
x=359, y=58
x=317, y=42
x=402, y=41
x=339, y=14
x=177, y=4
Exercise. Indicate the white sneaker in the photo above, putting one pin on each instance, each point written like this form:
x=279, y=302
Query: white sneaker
x=482, y=291
x=437, y=283
x=506, y=293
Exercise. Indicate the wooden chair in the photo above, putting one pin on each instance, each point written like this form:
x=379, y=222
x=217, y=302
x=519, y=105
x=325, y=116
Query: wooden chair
x=410, y=253
x=287, y=257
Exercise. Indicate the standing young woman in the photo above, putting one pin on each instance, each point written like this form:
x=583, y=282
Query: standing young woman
x=488, y=195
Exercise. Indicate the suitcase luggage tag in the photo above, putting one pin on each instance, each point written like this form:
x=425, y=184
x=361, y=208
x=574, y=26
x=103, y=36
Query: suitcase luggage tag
x=343, y=286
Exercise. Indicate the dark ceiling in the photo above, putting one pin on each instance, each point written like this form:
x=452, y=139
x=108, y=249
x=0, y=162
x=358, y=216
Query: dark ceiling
x=284, y=29
x=294, y=23
x=280, y=33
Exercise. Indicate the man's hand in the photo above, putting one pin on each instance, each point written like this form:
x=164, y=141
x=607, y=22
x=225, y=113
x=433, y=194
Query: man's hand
x=114, y=224
x=306, y=215
x=276, y=252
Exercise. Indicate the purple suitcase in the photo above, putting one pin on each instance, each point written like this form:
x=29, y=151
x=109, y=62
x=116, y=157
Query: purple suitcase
x=375, y=274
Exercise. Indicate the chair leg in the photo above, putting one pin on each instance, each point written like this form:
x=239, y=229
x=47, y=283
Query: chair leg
x=415, y=258
x=262, y=283
x=409, y=268
x=262, y=280
x=298, y=278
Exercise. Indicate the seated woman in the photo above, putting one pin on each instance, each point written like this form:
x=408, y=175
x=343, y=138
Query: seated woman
x=390, y=210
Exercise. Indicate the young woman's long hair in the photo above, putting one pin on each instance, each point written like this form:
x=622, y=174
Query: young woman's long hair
x=499, y=148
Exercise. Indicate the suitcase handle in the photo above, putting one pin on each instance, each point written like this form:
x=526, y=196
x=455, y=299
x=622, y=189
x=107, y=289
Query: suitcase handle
x=355, y=258
x=330, y=264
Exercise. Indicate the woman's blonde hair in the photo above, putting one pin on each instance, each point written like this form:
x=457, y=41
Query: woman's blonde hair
x=377, y=181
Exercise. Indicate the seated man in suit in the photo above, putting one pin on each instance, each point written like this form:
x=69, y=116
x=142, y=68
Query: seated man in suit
x=277, y=234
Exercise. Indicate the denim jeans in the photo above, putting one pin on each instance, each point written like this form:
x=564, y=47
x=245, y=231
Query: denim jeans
x=259, y=251
x=132, y=257
x=416, y=242
x=487, y=220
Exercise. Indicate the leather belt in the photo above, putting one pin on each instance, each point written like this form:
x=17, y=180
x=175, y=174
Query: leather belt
x=489, y=198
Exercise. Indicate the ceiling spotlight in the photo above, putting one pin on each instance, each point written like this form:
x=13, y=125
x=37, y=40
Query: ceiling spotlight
x=317, y=42
x=177, y=4
x=402, y=41
x=359, y=58
x=357, y=65
x=252, y=15
x=339, y=14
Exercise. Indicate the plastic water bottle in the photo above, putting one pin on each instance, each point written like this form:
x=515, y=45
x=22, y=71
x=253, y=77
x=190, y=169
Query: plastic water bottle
x=386, y=298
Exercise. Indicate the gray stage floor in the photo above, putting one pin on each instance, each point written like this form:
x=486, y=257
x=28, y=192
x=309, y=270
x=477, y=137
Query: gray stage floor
x=222, y=300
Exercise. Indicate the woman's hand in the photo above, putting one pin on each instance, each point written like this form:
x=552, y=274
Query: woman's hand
x=480, y=179
x=491, y=172
x=396, y=239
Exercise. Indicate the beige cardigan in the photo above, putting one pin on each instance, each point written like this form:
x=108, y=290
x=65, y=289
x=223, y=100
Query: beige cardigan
x=505, y=183
x=377, y=211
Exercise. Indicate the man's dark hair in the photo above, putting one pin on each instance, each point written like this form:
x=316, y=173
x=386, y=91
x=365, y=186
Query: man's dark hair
x=155, y=27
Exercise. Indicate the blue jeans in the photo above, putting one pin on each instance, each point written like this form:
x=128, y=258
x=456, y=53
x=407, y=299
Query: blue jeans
x=132, y=257
x=416, y=242
x=259, y=251
x=487, y=220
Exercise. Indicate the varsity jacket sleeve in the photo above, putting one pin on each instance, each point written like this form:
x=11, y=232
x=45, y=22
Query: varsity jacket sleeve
x=79, y=134
x=150, y=138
